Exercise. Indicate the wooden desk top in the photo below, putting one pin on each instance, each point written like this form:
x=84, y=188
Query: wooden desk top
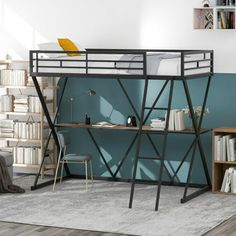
x=146, y=128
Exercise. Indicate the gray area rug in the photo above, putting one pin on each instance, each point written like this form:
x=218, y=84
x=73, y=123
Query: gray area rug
x=104, y=207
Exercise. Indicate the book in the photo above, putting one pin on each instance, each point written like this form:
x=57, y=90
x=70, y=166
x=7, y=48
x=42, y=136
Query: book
x=227, y=180
x=227, y=138
x=233, y=182
x=222, y=19
x=223, y=148
x=179, y=120
x=232, y=149
x=158, y=123
x=224, y=180
x=217, y=139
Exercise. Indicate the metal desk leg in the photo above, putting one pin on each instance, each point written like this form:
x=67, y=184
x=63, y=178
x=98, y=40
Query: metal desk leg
x=102, y=156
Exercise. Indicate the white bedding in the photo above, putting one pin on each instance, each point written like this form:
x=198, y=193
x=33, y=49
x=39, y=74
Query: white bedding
x=171, y=66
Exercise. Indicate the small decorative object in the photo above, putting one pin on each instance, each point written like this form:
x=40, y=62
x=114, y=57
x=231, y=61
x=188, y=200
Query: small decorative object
x=209, y=20
x=206, y=3
x=87, y=120
x=197, y=112
x=131, y=121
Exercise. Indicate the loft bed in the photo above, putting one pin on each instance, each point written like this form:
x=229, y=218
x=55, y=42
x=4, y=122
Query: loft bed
x=166, y=65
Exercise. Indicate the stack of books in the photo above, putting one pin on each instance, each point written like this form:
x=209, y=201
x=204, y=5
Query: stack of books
x=229, y=181
x=6, y=129
x=158, y=123
x=6, y=149
x=13, y=77
x=21, y=103
x=224, y=148
x=34, y=104
x=176, y=121
x=6, y=103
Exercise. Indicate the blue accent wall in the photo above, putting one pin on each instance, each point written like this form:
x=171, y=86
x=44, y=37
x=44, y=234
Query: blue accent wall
x=110, y=104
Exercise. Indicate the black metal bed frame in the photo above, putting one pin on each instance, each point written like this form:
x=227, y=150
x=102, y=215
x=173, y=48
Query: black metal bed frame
x=94, y=68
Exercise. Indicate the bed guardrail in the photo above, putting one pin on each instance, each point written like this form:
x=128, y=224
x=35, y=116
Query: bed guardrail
x=113, y=62
x=197, y=62
x=91, y=62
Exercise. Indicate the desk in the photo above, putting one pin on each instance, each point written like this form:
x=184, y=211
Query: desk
x=120, y=127
x=146, y=128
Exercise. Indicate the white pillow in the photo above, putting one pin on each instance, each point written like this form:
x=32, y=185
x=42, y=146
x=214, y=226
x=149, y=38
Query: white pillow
x=51, y=46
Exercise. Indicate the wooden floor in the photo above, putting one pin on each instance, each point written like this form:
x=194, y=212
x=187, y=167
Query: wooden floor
x=227, y=228
x=13, y=229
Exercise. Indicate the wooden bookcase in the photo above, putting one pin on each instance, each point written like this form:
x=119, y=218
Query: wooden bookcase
x=217, y=17
x=219, y=167
x=15, y=142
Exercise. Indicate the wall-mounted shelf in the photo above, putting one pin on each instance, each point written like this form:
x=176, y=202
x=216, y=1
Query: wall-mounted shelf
x=217, y=17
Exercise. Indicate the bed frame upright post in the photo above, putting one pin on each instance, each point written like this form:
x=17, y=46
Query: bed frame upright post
x=49, y=137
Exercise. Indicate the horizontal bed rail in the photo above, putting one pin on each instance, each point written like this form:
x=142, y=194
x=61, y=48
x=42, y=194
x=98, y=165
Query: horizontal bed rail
x=125, y=63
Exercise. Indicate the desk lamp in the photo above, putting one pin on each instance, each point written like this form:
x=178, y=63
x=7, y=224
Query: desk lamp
x=89, y=92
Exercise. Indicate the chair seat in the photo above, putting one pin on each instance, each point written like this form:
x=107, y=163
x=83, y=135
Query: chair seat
x=76, y=157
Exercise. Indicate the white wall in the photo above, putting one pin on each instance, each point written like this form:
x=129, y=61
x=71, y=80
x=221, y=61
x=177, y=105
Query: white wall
x=111, y=24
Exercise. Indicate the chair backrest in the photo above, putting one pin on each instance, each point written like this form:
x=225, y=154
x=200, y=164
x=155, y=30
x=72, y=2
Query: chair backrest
x=63, y=139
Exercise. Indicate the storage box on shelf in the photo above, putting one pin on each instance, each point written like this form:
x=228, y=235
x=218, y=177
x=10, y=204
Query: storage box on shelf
x=221, y=16
x=224, y=160
x=23, y=128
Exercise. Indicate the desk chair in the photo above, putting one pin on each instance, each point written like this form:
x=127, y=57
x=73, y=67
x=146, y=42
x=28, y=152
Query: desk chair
x=64, y=141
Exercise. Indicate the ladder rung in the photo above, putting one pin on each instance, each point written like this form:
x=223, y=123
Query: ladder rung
x=156, y=108
x=149, y=158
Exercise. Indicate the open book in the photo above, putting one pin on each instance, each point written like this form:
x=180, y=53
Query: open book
x=103, y=124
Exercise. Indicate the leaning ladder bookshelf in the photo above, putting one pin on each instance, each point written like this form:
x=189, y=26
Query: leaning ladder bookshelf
x=23, y=128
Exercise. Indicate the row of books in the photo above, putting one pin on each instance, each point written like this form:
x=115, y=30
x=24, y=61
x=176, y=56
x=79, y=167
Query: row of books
x=27, y=155
x=21, y=129
x=20, y=103
x=27, y=130
x=225, y=2
x=13, y=77
x=224, y=148
x=226, y=20
x=229, y=181
x=176, y=121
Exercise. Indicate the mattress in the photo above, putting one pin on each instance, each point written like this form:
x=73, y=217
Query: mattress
x=166, y=65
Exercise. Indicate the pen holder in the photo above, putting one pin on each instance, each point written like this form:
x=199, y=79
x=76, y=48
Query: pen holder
x=87, y=120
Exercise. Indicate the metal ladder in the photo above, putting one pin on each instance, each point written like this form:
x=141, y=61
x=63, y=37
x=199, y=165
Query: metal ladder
x=141, y=132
